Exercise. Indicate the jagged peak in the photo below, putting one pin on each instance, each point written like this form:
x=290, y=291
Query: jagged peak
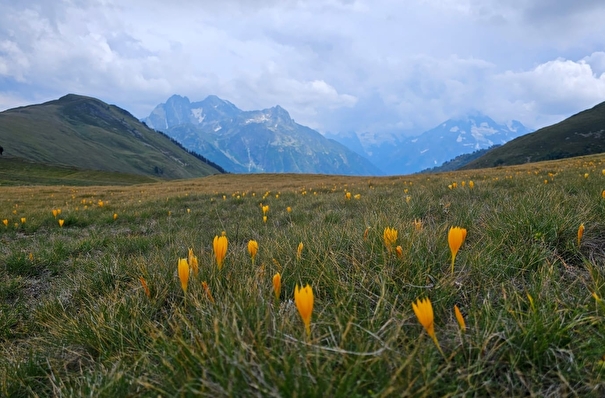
x=278, y=111
x=216, y=102
x=177, y=98
x=213, y=98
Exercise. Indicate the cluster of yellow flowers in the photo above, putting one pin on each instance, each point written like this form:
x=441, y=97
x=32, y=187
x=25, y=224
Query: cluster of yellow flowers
x=303, y=297
x=454, y=185
x=265, y=211
x=190, y=264
x=424, y=309
x=456, y=237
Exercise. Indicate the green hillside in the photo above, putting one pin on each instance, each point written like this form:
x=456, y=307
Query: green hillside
x=89, y=134
x=578, y=135
x=17, y=171
x=459, y=161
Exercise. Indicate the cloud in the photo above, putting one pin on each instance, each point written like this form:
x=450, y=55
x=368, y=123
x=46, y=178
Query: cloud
x=304, y=99
x=334, y=65
x=596, y=61
x=557, y=87
x=546, y=10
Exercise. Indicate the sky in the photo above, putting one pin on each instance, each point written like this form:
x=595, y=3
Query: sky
x=380, y=66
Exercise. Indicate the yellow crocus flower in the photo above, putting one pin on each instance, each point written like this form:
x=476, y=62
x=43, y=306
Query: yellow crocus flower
x=459, y=318
x=220, y=249
x=455, y=238
x=192, y=260
x=417, y=224
x=390, y=237
x=277, y=285
x=424, y=312
x=183, y=269
x=145, y=287
x=580, y=233
x=299, y=250
x=252, y=249
x=304, y=303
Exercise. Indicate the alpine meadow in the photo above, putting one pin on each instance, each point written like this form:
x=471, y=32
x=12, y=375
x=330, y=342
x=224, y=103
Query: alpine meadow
x=473, y=283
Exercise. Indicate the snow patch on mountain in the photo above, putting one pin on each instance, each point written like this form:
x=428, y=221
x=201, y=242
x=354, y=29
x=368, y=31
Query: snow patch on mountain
x=258, y=119
x=481, y=131
x=369, y=139
x=282, y=140
x=198, y=114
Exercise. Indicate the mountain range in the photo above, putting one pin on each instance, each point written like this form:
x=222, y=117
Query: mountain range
x=87, y=133
x=452, y=138
x=580, y=134
x=265, y=140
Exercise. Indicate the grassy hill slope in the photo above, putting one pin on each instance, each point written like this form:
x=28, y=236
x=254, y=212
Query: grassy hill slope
x=459, y=161
x=578, y=135
x=17, y=171
x=87, y=133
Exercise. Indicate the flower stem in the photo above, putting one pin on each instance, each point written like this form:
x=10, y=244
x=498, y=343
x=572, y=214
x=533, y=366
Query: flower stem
x=438, y=346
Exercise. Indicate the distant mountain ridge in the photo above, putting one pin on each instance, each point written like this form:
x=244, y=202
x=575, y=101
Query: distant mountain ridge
x=459, y=161
x=265, y=140
x=452, y=138
x=578, y=135
x=87, y=133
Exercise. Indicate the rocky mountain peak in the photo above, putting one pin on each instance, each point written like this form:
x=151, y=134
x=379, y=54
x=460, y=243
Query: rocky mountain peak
x=279, y=114
x=265, y=140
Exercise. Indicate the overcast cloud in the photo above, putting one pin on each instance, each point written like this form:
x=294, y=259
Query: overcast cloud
x=335, y=65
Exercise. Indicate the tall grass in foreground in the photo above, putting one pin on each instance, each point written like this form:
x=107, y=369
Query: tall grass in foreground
x=76, y=319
